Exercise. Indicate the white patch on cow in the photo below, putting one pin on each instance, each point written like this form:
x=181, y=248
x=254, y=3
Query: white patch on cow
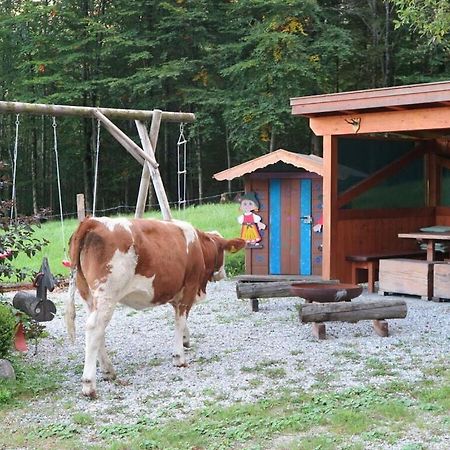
x=216, y=233
x=140, y=292
x=188, y=230
x=219, y=274
x=200, y=297
x=111, y=223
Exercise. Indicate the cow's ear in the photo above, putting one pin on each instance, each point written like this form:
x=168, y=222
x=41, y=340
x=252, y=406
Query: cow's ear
x=234, y=245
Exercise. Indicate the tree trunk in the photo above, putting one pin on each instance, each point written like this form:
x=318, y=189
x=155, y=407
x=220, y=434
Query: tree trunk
x=272, y=139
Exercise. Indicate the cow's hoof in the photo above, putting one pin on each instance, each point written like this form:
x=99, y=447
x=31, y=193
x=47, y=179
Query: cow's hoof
x=179, y=362
x=109, y=375
x=88, y=389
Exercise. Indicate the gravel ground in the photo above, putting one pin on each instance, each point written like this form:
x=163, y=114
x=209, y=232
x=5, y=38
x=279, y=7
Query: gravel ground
x=236, y=356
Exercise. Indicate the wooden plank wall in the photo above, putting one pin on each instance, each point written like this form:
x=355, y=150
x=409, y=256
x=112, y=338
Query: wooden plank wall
x=257, y=260
x=369, y=231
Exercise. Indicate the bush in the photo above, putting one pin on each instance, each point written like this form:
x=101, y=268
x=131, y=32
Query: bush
x=7, y=326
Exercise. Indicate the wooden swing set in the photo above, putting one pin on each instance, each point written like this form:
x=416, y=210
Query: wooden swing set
x=145, y=155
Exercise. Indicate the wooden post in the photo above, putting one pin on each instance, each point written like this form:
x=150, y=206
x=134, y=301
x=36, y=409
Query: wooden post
x=153, y=172
x=81, y=211
x=146, y=172
x=125, y=141
x=330, y=174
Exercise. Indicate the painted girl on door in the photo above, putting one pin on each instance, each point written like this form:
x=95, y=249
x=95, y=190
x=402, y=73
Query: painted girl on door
x=250, y=222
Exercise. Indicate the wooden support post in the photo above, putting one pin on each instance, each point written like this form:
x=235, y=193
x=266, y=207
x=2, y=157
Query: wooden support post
x=319, y=330
x=381, y=328
x=125, y=141
x=81, y=210
x=254, y=302
x=330, y=176
x=149, y=145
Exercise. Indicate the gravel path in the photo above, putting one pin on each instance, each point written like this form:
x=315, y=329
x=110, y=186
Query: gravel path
x=237, y=356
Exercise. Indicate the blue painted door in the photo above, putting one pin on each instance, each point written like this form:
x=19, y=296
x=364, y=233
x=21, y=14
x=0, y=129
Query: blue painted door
x=290, y=226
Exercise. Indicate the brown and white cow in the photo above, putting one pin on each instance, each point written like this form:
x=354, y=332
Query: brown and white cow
x=140, y=263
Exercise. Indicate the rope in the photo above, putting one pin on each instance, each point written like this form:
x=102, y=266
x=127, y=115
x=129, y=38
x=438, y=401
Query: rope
x=55, y=146
x=13, y=196
x=97, y=151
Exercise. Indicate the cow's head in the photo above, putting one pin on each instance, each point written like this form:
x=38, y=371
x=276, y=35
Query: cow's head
x=215, y=254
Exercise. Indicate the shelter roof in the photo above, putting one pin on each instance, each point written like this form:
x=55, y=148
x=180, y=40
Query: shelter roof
x=311, y=163
x=382, y=99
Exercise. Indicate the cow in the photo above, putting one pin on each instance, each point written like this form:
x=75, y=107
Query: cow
x=139, y=263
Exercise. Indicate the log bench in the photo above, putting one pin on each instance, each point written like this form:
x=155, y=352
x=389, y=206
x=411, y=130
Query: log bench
x=371, y=261
x=375, y=310
x=270, y=289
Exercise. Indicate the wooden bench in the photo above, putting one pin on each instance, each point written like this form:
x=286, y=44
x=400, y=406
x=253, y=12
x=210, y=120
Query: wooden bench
x=371, y=262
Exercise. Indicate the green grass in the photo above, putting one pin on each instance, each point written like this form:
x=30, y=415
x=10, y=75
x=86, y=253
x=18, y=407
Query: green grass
x=219, y=217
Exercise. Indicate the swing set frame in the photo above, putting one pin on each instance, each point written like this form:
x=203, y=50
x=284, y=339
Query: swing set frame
x=145, y=155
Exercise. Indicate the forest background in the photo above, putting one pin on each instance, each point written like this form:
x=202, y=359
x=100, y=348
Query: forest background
x=234, y=63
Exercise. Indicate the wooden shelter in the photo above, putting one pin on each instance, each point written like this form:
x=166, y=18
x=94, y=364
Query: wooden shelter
x=401, y=137
x=289, y=189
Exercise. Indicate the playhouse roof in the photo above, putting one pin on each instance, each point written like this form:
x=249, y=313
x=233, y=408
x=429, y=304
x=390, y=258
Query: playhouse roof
x=311, y=163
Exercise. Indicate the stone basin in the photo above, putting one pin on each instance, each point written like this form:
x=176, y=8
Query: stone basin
x=324, y=293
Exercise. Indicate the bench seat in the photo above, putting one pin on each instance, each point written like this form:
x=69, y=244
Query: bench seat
x=371, y=261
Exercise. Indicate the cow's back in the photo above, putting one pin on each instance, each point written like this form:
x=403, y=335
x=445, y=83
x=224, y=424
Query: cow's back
x=139, y=262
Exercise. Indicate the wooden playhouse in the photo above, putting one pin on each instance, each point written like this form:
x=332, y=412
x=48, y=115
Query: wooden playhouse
x=289, y=190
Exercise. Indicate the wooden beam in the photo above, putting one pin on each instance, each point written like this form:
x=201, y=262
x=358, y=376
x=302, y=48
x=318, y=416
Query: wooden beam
x=380, y=175
x=152, y=172
x=150, y=147
x=125, y=141
x=85, y=111
x=330, y=209
x=382, y=122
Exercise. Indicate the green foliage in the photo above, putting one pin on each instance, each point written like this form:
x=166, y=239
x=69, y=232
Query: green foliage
x=32, y=380
x=7, y=327
x=430, y=18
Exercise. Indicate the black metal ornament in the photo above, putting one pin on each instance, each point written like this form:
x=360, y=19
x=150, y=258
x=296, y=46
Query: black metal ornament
x=38, y=307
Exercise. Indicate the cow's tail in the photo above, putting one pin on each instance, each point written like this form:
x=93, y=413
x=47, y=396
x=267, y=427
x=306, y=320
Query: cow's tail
x=76, y=275
x=70, y=314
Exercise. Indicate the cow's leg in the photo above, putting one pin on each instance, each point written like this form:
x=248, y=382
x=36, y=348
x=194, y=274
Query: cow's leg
x=186, y=336
x=108, y=372
x=179, y=358
x=95, y=334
